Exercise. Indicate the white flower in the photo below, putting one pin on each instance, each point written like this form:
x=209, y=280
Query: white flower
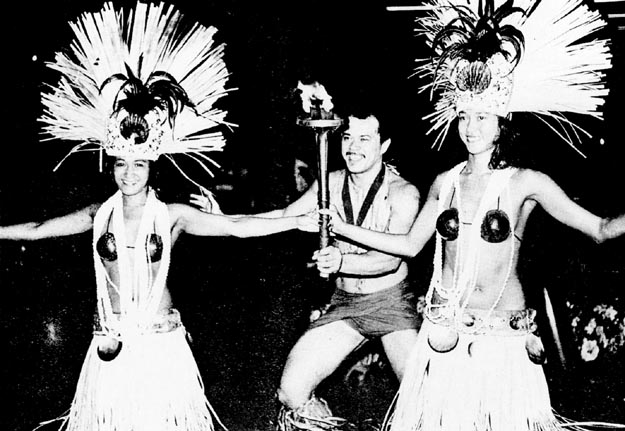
x=599, y=308
x=590, y=350
x=592, y=324
x=602, y=337
x=610, y=313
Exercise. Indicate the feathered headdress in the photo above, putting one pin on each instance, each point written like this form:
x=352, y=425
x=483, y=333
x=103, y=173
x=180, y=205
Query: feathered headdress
x=514, y=56
x=136, y=84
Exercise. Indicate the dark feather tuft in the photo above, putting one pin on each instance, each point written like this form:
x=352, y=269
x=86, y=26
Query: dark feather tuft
x=160, y=90
x=479, y=37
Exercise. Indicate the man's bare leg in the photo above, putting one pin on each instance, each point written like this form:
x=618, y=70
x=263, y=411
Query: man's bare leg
x=397, y=346
x=315, y=356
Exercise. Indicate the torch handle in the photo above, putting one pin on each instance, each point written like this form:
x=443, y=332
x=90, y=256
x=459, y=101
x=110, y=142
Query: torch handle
x=324, y=190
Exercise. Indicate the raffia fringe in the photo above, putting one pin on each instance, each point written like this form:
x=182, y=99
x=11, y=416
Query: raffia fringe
x=153, y=385
x=486, y=383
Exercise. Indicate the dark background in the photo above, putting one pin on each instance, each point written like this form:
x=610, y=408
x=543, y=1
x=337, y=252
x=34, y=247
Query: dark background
x=245, y=302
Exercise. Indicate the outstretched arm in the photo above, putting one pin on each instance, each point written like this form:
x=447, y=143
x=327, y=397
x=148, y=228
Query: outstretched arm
x=195, y=222
x=552, y=198
x=74, y=223
x=408, y=244
x=304, y=204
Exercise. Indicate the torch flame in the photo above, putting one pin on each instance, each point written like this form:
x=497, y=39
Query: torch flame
x=314, y=92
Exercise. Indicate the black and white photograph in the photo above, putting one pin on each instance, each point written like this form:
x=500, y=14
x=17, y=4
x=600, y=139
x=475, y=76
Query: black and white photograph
x=313, y=216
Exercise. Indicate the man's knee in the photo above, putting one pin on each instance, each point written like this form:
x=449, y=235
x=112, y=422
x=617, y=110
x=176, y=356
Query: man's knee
x=292, y=394
x=285, y=399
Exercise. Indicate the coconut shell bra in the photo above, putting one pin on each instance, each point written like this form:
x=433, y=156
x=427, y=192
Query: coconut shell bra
x=107, y=247
x=495, y=226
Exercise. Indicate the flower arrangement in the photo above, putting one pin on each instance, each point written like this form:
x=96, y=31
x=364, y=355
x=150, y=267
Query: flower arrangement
x=598, y=331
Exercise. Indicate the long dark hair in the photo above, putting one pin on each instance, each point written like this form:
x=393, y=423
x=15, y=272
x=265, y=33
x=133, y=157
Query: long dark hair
x=506, y=152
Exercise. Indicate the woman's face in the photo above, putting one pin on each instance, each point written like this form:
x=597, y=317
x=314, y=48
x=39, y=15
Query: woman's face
x=478, y=130
x=131, y=175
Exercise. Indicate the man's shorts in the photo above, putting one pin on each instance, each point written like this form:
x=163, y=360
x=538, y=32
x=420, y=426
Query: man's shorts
x=374, y=314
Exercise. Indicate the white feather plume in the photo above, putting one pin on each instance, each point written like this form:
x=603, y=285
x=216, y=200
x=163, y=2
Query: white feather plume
x=562, y=69
x=147, y=38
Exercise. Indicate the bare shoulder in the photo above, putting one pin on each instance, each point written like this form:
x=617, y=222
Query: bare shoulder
x=530, y=179
x=400, y=188
x=435, y=188
x=89, y=211
x=178, y=210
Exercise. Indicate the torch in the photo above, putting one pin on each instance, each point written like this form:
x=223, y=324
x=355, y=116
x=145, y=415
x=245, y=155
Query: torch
x=320, y=119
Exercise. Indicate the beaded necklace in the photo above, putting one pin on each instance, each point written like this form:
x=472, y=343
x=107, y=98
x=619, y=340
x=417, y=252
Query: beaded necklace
x=464, y=281
x=139, y=293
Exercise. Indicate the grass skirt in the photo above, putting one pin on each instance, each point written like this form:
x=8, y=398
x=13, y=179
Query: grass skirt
x=152, y=385
x=487, y=382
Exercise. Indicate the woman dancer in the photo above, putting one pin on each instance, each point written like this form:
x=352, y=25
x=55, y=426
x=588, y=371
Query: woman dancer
x=139, y=372
x=477, y=362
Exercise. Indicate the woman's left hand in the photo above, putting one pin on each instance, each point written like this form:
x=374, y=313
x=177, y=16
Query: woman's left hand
x=336, y=222
x=308, y=222
x=205, y=201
